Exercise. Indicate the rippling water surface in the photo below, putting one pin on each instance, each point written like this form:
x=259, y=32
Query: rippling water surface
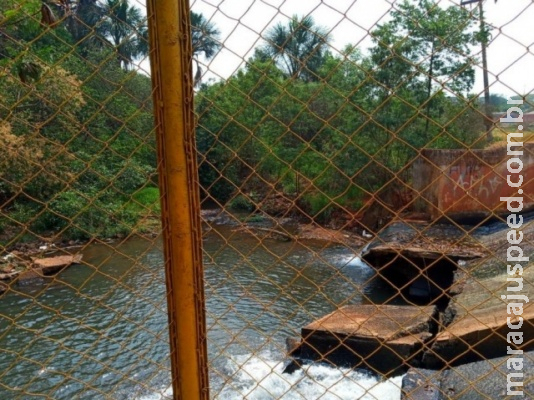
x=100, y=329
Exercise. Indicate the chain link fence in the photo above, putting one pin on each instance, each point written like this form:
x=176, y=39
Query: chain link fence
x=365, y=188
x=83, y=311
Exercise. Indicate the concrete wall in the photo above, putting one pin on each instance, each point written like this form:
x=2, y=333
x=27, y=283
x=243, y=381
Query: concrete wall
x=468, y=184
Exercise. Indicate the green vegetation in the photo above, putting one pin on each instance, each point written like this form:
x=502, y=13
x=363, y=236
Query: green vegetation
x=330, y=129
x=241, y=203
x=299, y=48
x=76, y=124
x=323, y=128
x=145, y=201
x=204, y=41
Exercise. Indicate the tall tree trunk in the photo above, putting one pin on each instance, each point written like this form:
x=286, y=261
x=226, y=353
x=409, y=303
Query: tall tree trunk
x=429, y=89
x=488, y=120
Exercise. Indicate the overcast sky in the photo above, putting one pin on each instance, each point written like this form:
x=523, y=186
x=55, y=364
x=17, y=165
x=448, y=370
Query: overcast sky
x=241, y=23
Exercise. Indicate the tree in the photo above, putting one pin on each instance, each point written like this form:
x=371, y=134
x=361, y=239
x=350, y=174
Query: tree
x=205, y=41
x=497, y=102
x=262, y=130
x=16, y=26
x=299, y=47
x=83, y=18
x=424, y=43
x=125, y=27
x=71, y=130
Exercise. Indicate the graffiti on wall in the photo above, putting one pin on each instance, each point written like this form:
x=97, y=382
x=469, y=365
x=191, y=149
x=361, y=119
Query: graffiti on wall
x=474, y=186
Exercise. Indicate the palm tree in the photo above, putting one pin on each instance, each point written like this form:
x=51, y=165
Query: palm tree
x=83, y=18
x=126, y=29
x=205, y=38
x=298, y=48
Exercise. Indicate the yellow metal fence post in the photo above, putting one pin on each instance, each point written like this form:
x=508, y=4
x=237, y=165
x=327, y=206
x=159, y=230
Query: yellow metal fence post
x=170, y=56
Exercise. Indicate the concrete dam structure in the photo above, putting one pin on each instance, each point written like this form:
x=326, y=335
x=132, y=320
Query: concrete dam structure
x=469, y=184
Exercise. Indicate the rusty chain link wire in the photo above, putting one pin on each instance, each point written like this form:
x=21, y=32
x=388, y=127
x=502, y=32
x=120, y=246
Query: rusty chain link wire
x=365, y=199
x=78, y=185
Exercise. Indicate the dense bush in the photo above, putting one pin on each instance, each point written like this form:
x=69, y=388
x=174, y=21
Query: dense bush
x=76, y=126
x=330, y=129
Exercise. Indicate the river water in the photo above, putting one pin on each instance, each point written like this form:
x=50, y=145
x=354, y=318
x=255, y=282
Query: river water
x=100, y=329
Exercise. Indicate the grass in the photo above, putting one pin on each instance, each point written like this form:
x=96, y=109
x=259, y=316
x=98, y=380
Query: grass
x=145, y=201
x=500, y=134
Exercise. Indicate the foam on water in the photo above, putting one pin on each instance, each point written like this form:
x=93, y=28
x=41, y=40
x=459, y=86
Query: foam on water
x=353, y=262
x=261, y=378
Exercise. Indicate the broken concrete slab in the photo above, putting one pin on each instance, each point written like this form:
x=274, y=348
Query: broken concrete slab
x=45, y=267
x=51, y=265
x=421, y=260
x=487, y=380
x=471, y=326
x=410, y=248
x=383, y=338
x=480, y=334
x=478, y=328
x=430, y=241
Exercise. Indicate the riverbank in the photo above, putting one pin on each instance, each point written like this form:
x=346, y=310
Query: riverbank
x=19, y=257
x=26, y=268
